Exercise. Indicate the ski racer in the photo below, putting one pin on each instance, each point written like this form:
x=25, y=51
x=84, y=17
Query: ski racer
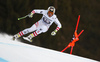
x=42, y=25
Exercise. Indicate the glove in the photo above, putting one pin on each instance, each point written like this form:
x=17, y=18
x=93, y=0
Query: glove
x=30, y=15
x=54, y=33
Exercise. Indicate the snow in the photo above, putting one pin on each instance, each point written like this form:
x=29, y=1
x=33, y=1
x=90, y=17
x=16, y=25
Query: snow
x=16, y=51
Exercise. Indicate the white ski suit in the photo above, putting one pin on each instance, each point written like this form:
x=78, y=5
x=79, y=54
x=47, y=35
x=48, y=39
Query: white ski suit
x=43, y=24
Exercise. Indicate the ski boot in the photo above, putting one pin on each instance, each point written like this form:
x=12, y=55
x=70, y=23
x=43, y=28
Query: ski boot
x=16, y=36
x=29, y=38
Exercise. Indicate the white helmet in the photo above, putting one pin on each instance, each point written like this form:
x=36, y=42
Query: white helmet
x=51, y=9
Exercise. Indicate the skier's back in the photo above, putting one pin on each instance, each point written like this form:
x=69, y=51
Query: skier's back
x=42, y=25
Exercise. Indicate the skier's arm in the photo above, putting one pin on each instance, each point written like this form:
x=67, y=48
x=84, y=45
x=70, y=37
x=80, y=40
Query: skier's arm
x=35, y=11
x=58, y=26
x=38, y=11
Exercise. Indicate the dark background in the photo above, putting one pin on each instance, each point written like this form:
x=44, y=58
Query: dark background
x=67, y=12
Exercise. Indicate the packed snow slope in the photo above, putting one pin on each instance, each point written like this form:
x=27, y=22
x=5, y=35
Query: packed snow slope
x=16, y=51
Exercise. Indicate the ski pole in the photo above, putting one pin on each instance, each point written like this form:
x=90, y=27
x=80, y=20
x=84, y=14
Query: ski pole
x=23, y=17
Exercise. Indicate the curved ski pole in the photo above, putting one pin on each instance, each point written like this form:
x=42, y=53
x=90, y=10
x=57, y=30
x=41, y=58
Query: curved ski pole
x=23, y=17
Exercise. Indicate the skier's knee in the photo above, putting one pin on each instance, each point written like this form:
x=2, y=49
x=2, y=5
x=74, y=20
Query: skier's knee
x=45, y=29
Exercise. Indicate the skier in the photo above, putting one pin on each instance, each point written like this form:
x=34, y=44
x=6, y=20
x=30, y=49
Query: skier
x=42, y=25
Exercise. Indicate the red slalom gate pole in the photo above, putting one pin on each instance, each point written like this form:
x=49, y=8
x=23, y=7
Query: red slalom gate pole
x=71, y=50
x=64, y=49
x=77, y=23
x=80, y=33
x=70, y=45
x=77, y=36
